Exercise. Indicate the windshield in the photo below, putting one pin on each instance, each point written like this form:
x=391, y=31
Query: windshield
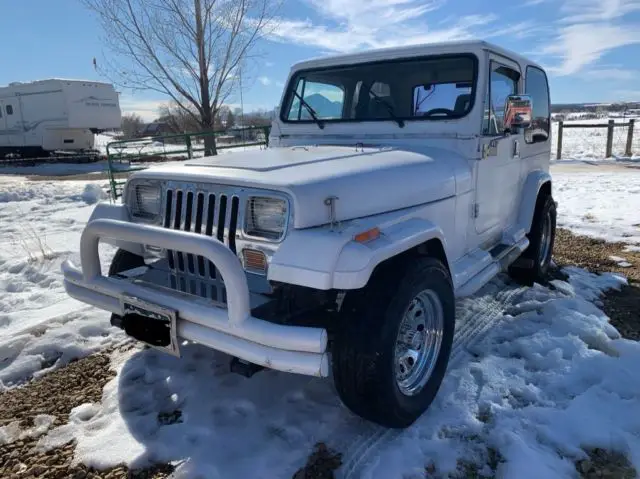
x=412, y=89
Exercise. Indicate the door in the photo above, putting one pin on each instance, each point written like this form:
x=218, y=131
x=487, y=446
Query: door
x=498, y=172
x=5, y=136
x=10, y=123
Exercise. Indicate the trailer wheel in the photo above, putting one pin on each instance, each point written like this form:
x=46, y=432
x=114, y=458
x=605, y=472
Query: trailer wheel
x=391, y=352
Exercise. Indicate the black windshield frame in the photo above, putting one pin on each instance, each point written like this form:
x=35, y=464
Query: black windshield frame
x=293, y=83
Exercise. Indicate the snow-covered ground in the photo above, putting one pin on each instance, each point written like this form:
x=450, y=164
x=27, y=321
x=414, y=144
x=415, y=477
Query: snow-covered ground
x=602, y=204
x=589, y=144
x=537, y=374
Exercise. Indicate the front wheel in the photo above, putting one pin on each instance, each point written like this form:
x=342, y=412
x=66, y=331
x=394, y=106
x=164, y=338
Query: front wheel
x=392, y=350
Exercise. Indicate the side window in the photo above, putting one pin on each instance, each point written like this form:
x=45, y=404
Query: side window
x=326, y=99
x=9, y=109
x=503, y=81
x=537, y=87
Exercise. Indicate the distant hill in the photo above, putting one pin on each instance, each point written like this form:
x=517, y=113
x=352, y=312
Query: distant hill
x=594, y=107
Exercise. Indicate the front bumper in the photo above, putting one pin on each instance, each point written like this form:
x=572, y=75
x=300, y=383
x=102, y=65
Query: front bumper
x=232, y=330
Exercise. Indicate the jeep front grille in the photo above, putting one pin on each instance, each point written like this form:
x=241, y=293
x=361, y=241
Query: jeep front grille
x=215, y=214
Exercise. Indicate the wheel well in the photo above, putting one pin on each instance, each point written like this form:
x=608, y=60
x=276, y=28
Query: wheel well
x=432, y=248
x=544, y=191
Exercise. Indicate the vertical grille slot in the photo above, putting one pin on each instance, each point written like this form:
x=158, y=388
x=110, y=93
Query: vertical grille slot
x=222, y=216
x=199, y=212
x=187, y=226
x=176, y=226
x=167, y=224
x=233, y=222
x=212, y=213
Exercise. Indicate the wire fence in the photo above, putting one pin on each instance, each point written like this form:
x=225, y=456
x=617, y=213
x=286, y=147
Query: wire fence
x=618, y=138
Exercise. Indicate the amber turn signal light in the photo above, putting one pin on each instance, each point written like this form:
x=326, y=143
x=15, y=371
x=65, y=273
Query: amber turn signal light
x=366, y=236
x=254, y=260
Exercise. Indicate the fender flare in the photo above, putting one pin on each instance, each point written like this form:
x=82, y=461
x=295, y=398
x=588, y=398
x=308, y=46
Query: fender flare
x=357, y=262
x=322, y=259
x=532, y=185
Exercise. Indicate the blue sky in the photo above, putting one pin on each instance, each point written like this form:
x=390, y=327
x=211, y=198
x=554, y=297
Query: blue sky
x=590, y=47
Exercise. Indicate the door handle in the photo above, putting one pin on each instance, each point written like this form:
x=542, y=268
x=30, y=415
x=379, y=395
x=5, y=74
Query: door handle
x=516, y=149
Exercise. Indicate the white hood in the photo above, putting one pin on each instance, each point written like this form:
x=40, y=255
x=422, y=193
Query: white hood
x=366, y=182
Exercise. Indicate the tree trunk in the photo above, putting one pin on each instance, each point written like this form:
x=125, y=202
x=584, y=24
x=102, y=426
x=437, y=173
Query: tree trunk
x=210, y=144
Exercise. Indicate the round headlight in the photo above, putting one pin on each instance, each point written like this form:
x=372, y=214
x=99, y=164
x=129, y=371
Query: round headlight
x=144, y=201
x=266, y=217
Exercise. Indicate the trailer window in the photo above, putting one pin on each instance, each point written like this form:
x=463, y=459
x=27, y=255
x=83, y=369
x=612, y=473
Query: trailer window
x=9, y=109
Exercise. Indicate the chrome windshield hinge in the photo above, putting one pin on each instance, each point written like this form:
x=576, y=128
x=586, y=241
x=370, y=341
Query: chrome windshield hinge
x=330, y=202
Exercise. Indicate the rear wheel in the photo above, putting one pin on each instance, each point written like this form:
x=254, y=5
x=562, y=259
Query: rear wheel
x=391, y=353
x=533, y=265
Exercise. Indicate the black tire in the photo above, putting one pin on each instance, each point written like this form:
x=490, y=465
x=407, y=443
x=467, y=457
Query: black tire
x=123, y=261
x=531, y=267
x=363, y=351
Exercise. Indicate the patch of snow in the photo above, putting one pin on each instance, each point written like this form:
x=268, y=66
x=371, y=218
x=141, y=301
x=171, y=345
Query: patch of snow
x=622, y=262
x=12, y=431
x=93, y=193
x=41, y=327
x=589, y=144
x=524, y=390
x=632, y=248
x=599, y=204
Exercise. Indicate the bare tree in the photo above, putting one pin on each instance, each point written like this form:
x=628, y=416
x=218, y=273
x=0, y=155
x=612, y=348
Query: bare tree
x=179, y=120
x=190, y=50
x=132, y=125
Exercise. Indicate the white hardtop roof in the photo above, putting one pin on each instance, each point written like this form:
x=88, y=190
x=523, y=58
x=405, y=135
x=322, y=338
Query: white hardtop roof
x=469, y=46
x=51, y=80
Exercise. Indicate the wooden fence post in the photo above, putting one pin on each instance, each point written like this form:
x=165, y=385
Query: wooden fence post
x=609, y=151
x=560, y=126
x=627, y=150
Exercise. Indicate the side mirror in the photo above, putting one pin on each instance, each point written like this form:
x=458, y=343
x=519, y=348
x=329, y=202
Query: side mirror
x=518, y=111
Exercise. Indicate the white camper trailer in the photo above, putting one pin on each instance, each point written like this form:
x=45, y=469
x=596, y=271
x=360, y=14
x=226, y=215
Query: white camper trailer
x=44, y=116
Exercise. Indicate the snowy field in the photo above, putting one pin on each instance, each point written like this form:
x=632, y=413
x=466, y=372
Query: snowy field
x=537, y=374
x=589, y=144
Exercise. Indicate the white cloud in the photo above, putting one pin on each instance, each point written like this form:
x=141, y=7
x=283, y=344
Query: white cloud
x=583, y=44
x=583, y=31
x=349, y=37
x=146, y=109
x=264, y=80
x=614, y=74
x=597, y=10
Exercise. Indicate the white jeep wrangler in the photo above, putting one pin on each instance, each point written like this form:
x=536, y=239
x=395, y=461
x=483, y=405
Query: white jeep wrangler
x=396, y=180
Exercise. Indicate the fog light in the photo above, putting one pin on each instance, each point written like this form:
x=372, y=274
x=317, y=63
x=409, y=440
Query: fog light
x=254, y=261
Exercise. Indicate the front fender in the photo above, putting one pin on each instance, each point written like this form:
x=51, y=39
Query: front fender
x=357, y=261
x=530, y=191
x=323, y=259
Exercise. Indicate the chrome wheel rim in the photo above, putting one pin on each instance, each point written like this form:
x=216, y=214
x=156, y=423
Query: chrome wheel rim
x=545, y=240
x=418, y=342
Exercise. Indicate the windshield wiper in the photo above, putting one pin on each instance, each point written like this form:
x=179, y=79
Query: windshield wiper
x=311, y=111
x=389, y=108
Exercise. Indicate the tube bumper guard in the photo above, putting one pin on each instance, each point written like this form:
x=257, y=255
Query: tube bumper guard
x=233, y=330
